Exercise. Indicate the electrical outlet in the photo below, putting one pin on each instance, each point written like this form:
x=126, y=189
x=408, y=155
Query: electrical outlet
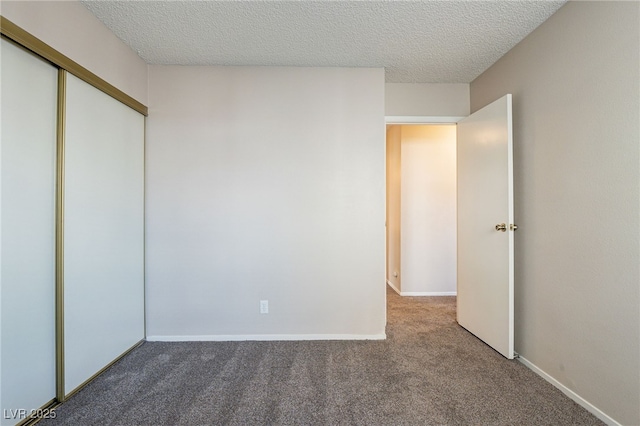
x=264, y=306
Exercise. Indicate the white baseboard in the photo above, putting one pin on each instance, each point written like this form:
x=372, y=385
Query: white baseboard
x=421, y=293
x=264, y=337
x=571, y=394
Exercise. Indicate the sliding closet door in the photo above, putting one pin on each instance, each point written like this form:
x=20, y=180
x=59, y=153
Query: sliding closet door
x=27, y=232
x=103, y=231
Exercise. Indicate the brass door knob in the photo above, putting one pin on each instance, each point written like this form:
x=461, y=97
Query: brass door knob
x=502, y=227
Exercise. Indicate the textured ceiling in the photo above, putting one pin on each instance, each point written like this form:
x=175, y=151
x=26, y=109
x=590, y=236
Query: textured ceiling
x=415, y=41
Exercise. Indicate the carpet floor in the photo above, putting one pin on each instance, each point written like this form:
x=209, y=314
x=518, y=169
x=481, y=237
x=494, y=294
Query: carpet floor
x=429, y=371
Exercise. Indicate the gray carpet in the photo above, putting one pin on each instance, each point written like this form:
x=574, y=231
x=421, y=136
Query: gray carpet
x=429, y=371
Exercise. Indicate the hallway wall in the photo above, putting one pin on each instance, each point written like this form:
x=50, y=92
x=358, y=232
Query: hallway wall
x=428, y=212
x=426, y=99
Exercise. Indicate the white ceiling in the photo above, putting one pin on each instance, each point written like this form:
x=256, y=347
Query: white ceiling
x=415, y=41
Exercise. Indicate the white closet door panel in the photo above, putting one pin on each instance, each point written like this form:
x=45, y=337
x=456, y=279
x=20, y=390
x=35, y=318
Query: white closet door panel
x=27, y=208
x=104, y=288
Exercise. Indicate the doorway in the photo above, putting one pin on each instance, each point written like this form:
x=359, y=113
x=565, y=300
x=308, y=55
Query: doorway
x=421, y=209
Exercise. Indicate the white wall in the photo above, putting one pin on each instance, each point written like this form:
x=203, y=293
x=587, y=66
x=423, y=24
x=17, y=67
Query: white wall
x=71, y=29
x=428, y=212
x=426, y=99
x=575, y=83
x=265, y=184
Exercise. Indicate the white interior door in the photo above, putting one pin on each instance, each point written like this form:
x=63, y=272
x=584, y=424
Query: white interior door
x=485, y=216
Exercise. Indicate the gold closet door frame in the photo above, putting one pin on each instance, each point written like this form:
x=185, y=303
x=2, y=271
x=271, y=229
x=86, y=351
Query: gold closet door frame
x=60, y=133
x=65, y=65
x=13, y=32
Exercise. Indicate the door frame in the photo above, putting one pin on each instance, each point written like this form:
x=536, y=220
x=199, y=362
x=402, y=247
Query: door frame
x=399, y=120
x=421, y=119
